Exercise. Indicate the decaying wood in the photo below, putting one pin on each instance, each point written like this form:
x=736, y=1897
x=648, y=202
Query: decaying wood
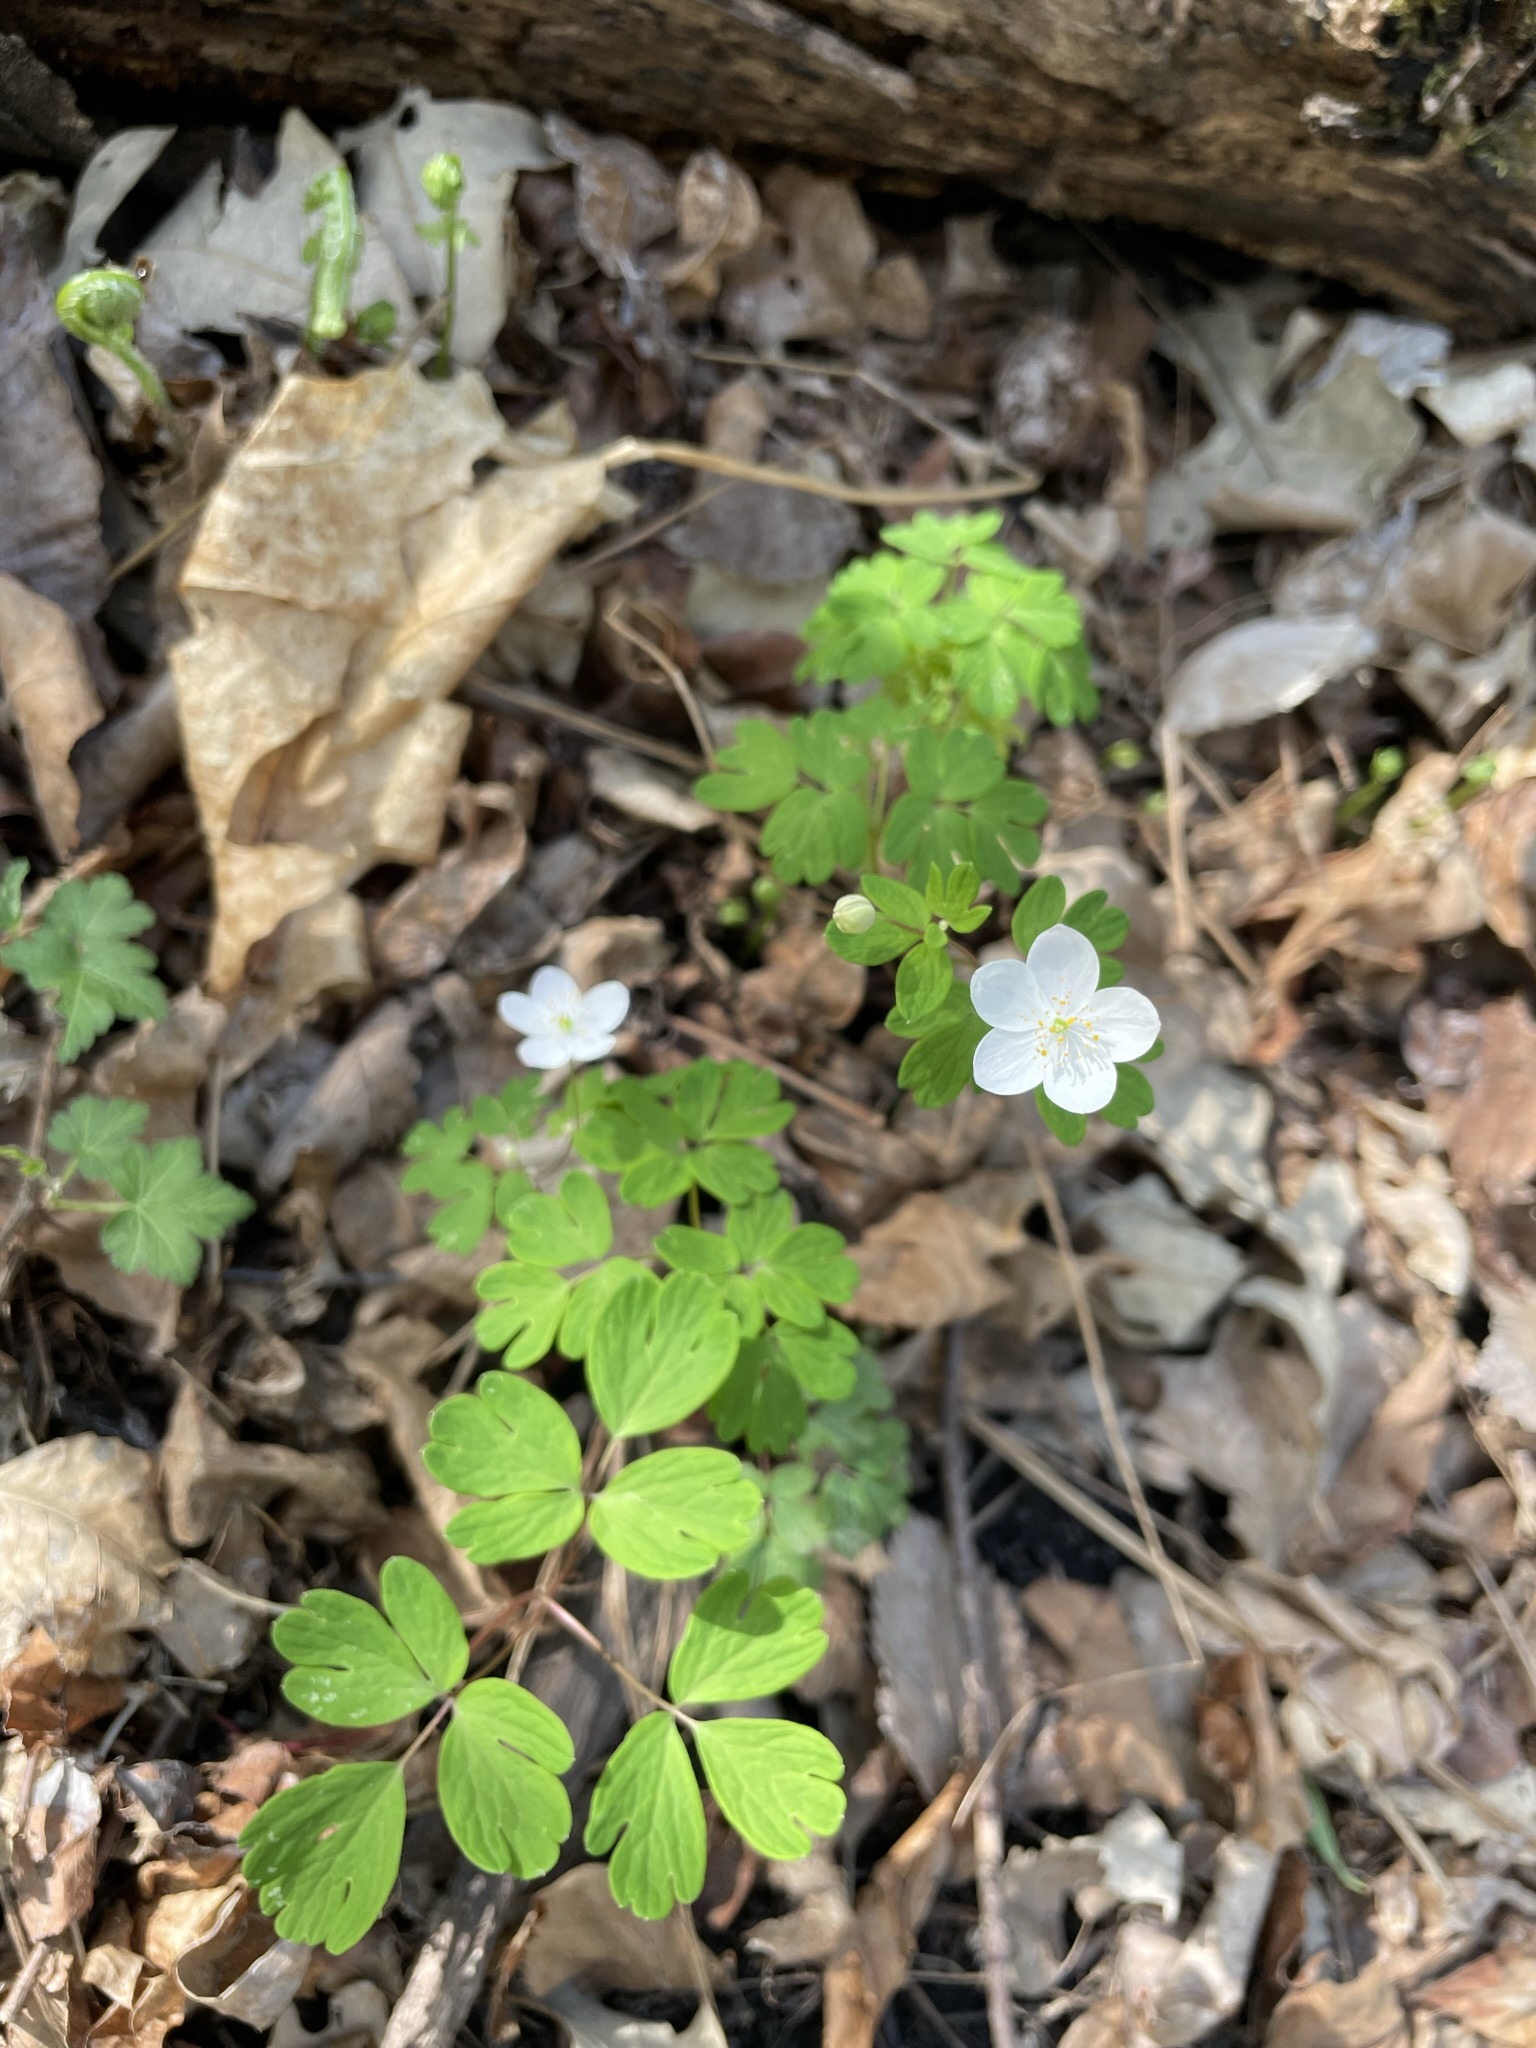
x=1316, y=132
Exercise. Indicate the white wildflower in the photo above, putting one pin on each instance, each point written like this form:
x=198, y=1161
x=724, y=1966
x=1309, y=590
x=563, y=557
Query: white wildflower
x=561, y=1026
x=1052, y=1024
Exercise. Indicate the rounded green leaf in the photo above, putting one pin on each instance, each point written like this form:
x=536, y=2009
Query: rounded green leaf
x=675, y=1513
x=1043, y=904
x=511, y=1442
x=587, y=1300
x=561, y=1230
x=529, y=1303
x=822, y=1359
x=694, y=1251
x=741, y=1648
x=659, y=1349
x=776, y=1782
x=324, y=1855
x=426, y=1620
x=351, y=1669
x=647, y=1801
x=497, y=1778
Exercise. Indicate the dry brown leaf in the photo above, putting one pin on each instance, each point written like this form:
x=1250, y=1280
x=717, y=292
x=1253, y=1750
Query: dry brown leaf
x=718, y=217
x=891, y=1906
x=73, y=1242
x=927, y=1264
x=50, y=1813
x=1499, y=828
x=50, y=512
x=144, y=2004
x=43, y=2020
x=1490, y=1129
x=581, y=1936
x=361, y=1102
x=1375, y=1496
x=1458, y=578
x=238, y=1966
x=1366, y=2012
x=817, y=291
x=347, y=572
x=204, y=1469
x=800, y=993
x=51, y=697
x=413, y=932
x=624, y=199
x=1493, y=1997
x=164, y=1063
x=1109, y=1740
x=84, y=1549
x=42, y=1702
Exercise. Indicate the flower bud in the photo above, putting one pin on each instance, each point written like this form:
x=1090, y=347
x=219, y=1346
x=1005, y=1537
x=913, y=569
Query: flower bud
x=853, y=914
x=442, y=177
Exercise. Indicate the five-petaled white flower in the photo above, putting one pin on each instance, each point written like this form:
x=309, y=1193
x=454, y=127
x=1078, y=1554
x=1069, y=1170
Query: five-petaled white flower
x=561, y=1026
x=1052, y=1024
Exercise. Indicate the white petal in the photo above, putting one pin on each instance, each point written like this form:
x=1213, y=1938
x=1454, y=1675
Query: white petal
x=1005, y=993
x=547, y=1053
x=1008, y=1062
x=554, y=990
x=582, y=1047
x=604, y=1008
x=1081, y=1078
x=522, y=1013
x=1066, y=966
x=1123, y=1021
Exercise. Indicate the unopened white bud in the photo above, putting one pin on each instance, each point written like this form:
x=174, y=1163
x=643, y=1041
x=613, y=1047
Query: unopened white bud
x=853, y=914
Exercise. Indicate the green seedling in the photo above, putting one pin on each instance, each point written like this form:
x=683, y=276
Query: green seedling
x=101, y=308
x=442, y=178
x=335, y=248
x=1387, y=766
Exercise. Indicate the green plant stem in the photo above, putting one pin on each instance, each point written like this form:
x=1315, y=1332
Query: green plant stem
x=444, y=364
x=695, y=1214
x=877, y=807
x=90, y=1208
x=585, y=1637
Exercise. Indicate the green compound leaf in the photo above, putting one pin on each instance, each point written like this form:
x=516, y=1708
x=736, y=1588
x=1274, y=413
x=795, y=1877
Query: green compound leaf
x=464, y=1188
x=821, y=1360
x=877, y=613
x=945, y=541
x=648, y=1796
x=12, y=881
x=1132, y=1099
x=737, y=1647
x=938, y=1066
x=814, y=833
x=761, y=1401
x=777, y=1782
x=1043, y=904
x=172, y=1207
x=513, y=1445
x=923, y=980
x=352, y=1669
x=794, y=1527
x=1068, y=1126
x=498, y=1778
x=589, y=1297
x=96, y=1132
x=528, y=1306
x=324, y=1855
x=961, y=809
x=661, y=1151
x=675, y=1513
x=83, y=955
x=1103, y=924
x=766, y=1262
x=756, y=770
x=425, y=1619
x=751, y=1104
x=659, y=1349
x=567, y=1229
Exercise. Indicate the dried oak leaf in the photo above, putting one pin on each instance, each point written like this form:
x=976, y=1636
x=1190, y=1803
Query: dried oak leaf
x=82, y=1549
x=50, y=695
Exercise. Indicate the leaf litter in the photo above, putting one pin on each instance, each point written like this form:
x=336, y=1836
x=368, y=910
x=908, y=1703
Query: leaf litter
x=437, y=681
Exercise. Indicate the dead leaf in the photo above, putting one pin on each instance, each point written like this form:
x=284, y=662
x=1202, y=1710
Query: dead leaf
x=1109, y=1740
x=50, y=514
x=1482, y=405
x=802, y=991
x=1169, y=1274
x=222, y=258
x=1366, y=2012
x=1178, y=1992
x=1458, y=578
x=1493, y=1997
x=815, y=292
x=50, y=1812
x=204, y=1470
x=52, y=699
x=84, y=1549
x=164, y=1063
x=582, y=1938
x=362, y=1101
x=920, y=1653
x=891, y=1906
x=1505, y=1368
x=413, y=932
x=1376, y=1495
x=627, y=949
x=1321, y=467
x=1499, y=828
x=73, y=1242
x=44, y=2018
x=718, y=217
x=590, y=2025
x=347, y=572
x=927, y=1264
x=624, y=199
x=493, y=142
x=357, y=2015
x=1262, y=667
x=42, y=1702
x=239, y=1967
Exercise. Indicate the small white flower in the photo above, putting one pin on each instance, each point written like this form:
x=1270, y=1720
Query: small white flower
x=1053, y=1025
x=561, y=1026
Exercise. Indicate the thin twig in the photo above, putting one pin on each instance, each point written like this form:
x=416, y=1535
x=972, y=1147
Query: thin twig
x=625, y=453
x=1178, y=850
x=498, y=696
x=22, y=1983
x=613, y=616
x=800, y=1084
x=1024, y=1458
x=1163, y=1567
x=981, y=1730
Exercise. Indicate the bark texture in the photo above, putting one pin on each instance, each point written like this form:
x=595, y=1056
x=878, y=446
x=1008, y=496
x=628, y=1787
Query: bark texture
x=1385, y=142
